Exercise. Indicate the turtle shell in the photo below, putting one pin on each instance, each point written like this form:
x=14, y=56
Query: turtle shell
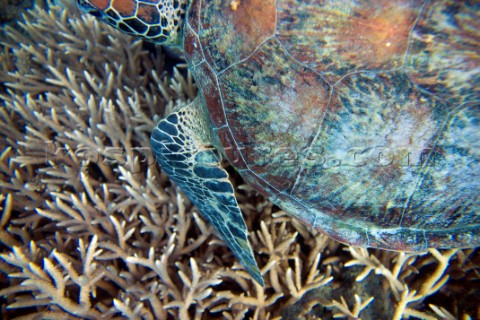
x=359, y=117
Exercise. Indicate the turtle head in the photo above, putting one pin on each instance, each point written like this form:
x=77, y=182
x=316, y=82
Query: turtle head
x=158, y=21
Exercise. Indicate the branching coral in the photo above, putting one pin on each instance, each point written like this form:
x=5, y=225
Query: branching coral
x=91, y=227
x=50, y=280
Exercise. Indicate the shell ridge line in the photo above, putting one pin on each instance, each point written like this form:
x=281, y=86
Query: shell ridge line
x=425, y=166
x=187, y=25
x=302, y=166
x=221, y=127
x=262, y=179
x=216, y=75
x=200, y=63
x=386, y=231
x=409, y=39
x=306, y=66
x=297, y=181
x=433, y=95
x=227, y=125
x=402, y=66
x=298, y=178
x=255, y=50
x=309, y=148
x=331, y=221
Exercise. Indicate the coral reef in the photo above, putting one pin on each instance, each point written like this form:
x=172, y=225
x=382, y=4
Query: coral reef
x=91, y=228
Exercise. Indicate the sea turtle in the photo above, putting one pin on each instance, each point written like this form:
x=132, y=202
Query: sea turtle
x=360, y=118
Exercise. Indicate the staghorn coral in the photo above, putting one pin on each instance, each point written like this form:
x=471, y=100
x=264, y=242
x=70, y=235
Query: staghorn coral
x=91, y=228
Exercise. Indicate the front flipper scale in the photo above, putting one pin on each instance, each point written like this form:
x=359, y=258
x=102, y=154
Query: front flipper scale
x=182, y=144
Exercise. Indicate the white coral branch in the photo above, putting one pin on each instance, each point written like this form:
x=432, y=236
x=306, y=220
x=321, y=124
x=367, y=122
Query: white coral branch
x=51, y=283
x=344, y=309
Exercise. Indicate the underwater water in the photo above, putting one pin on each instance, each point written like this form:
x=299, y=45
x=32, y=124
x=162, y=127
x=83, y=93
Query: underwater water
x=91, y=227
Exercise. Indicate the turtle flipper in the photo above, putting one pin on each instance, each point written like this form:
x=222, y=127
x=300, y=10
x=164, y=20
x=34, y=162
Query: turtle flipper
x=182, y=146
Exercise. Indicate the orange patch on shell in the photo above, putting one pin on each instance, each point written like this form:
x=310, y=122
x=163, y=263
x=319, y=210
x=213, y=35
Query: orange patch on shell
x=125, y=8
x=100, y=4
x=254, y=18
x=378, y=37
x=147, y=13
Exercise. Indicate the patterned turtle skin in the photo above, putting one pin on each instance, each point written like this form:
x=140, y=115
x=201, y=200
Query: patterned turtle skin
x=360, y=118
x=154, y=20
